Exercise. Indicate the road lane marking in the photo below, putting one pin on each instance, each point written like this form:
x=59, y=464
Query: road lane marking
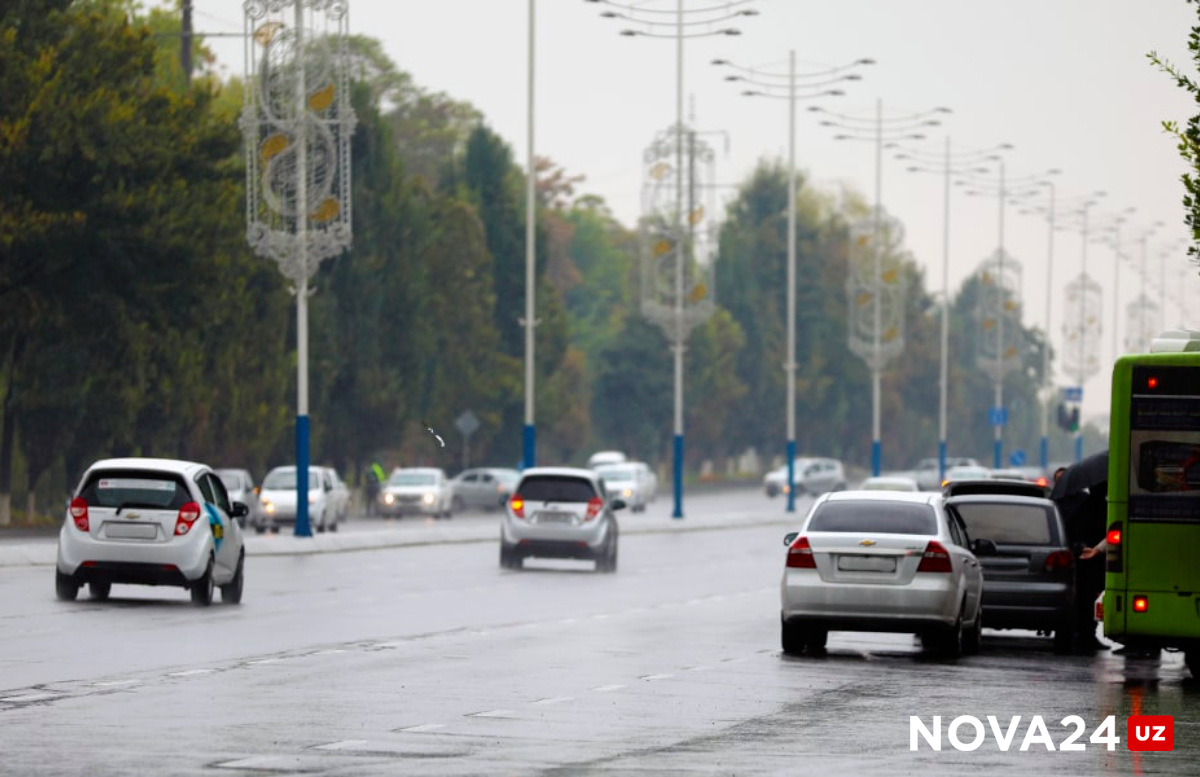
x=653, y=677
x=608, y=688
x=424, y=727
x=345, y=744
x=555, y=700
x=115, y=683
x=30, y=697
x=191, y=672
x=492, y=714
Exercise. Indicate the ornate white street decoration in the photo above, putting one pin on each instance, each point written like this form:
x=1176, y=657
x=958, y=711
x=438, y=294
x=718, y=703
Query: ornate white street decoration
x=1082, y=327
x=999, y=315
x=1141, y=325
x=297, y=117
x=875, y=291
x=678, y=301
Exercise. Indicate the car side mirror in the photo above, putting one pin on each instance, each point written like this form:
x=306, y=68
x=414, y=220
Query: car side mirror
x=983, y=547
x=790, y=537
x=618, y=504
x=240, y=510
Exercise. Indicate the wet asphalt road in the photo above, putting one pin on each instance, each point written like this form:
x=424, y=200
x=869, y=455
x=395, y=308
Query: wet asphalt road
x=432, y=660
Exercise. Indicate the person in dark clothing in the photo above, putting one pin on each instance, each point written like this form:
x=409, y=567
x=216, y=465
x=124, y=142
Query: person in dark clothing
x=1086, y=525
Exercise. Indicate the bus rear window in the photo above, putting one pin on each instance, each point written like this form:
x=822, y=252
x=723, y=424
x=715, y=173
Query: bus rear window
x=874, y=517
x=1009, y=524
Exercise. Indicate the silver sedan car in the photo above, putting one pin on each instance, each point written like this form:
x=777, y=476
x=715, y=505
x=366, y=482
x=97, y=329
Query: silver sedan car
x=882, y=561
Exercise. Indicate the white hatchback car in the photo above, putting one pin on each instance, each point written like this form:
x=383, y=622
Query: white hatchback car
x=882, y=561
x=560, y=512
x=633, y=481
x=151, y=522
x=278, y=497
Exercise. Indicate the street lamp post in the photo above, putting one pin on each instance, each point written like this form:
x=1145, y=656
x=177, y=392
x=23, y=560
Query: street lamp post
x=529, y=437
x=812, y=84
x=652, y=26
x=892, y=128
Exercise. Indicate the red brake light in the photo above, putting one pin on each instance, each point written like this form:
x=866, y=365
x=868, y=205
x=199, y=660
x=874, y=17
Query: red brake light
x=1043, y=482
x=1140, y=604
x=1114, y=537
x=79, y=513
x=935, y=559
x=1152, y=382
x=1059, y=559
x=800, y=555
x=188, y=514
x=595, y=505
x=517, y=505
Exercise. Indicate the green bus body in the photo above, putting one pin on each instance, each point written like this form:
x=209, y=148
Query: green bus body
x=1154, y=502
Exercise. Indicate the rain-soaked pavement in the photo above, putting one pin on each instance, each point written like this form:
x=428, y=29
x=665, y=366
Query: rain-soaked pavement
x=432, y=660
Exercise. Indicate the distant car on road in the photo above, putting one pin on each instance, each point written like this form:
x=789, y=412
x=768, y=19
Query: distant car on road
x=560, y=512
x=338, y=494
x=278, y=495
x=967, y=472
x=889, y=483
x=483, y=487
x=633, y=481
x=1029, y=582
x=600, y=458
x=144, y=521
x=416, y=491
x=811, y=475
x=876, y=561
x=240, y=485
x=928, y=475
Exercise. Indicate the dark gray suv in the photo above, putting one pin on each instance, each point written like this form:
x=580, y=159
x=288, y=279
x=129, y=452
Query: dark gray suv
x=1029, y=582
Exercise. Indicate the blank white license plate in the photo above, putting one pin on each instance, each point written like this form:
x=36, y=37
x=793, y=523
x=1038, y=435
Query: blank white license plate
x=554, y=517
x=130, y=531
x=867, y=563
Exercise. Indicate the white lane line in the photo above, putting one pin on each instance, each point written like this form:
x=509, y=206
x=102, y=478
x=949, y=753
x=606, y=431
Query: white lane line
x=115, y=683
x=652, y=677
x=28, y=697
x=263, y=661
x=191, y=672
x=700, y=668
x=424, y=727
x=555, y=700
x=492, y=714
x=332, y=652
x=608, y=688
x=266, y=763
x=345, y=744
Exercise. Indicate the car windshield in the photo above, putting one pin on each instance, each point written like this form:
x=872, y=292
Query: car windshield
x=135, y=488
x=556, y=488
x=231, y=479
x=614, y=474
x=281, y=479
x=1009, y=524
x=876, y=517
x=413, y=479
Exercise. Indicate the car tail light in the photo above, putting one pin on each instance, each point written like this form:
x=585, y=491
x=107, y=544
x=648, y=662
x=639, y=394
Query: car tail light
x=79, y=513
x=800, y=555
x=517, y=505
x=1059, y=559
x=187, y=516
x=1100, y=609
x=935, y=559
x=1043, y=482
x=595, y=505
x=1114, y=556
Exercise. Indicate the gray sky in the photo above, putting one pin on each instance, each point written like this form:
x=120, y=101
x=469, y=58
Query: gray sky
x=1066, y=82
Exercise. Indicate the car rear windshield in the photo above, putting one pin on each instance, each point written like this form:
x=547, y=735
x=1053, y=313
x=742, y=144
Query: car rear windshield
x=286, y=478
x=1009, y=524
x=556, y=488
x=135, y=488
x=875, y=517
x=615, y=473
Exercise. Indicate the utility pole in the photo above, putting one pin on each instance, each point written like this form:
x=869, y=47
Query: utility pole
x=185, y=41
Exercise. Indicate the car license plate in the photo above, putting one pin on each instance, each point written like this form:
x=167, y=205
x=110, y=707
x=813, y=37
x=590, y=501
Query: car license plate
x=867, y=563
x=554, y=517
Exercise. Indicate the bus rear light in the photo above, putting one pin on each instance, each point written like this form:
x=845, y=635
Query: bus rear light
x=1113, y=537
x=935, y=559
x=1141, y=604
x=79, y=513
x=800, y=555
x=1114, y=555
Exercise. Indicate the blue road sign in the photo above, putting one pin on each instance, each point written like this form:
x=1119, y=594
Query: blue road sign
x=1073, y=393
x=1017, y=458
x=997, y=416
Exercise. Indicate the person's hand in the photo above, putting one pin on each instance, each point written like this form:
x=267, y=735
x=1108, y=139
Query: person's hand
x=1087, y=553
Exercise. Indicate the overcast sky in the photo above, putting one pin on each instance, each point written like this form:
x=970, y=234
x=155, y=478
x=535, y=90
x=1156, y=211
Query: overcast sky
x=1066, y=82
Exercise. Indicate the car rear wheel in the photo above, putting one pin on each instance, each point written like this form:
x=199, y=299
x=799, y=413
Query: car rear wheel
x=202, y=589
x=65, y=587
x=948, y=641
x=792, y=638
x=608, y=562
x=231, y=592
x=99, y=591
x=973, y=637
x=509, y=557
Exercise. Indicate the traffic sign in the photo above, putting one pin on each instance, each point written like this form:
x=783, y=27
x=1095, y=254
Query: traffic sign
x=1073, y=393
x=997, y=416
x=1017, y=458
x=467, y=423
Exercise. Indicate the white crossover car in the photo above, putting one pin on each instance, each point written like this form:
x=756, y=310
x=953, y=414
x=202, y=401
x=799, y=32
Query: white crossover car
x=560, y=512
x=278, y=497
x=151, y=522
x=416, y=491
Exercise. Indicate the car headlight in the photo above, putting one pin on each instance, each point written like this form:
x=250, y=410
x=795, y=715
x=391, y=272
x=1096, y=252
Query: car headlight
x=313, y=496
x=427, y=499
x=786, y=488
x=627, y=493
x=389, y=499
x=268, y=506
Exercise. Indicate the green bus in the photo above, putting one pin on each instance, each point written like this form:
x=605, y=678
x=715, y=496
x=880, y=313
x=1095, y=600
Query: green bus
x=1152, y=563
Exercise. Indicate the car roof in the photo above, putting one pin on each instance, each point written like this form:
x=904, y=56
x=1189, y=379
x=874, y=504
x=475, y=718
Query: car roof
x=430, y=470
x=915, y=497
x=176, y=466
x=994, y=486
x=1013, y=499
x=579, y=472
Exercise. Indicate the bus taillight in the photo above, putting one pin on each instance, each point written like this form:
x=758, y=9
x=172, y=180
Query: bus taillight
x=1114, y=555
x=1140, y=604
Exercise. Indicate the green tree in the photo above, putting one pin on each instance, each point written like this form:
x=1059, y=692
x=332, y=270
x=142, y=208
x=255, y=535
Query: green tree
x=1187, y=137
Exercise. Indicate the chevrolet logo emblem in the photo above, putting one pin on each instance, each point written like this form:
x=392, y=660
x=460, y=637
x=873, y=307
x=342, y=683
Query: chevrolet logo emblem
x=132, y=516
x=867, y=543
